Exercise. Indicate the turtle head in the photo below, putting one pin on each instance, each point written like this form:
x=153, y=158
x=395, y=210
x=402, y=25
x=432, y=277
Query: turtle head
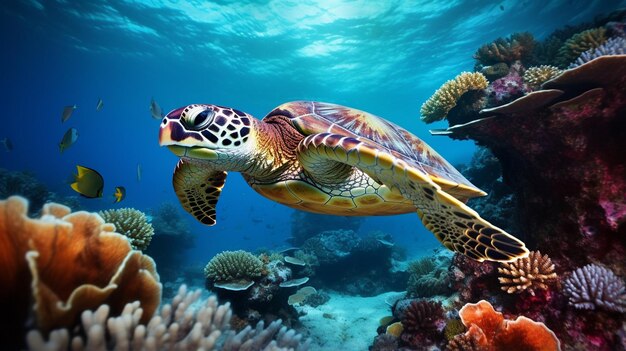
x=207, y=132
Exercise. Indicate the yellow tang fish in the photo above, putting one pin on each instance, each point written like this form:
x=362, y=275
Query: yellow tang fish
x=120, y=193
x=88, y=182
x=69, y=138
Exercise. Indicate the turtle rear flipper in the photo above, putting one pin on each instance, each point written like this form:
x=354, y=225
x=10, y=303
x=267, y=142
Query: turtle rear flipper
x=198, y=188
x=457, y=226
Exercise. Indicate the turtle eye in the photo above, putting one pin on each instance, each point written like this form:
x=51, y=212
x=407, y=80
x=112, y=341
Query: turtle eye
x=201, y=120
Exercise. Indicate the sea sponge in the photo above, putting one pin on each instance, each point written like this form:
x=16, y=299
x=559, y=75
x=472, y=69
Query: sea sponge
x=518, y=46
x=231, y=266
x=489, y=331
x=613, y=46
x=579, y=43
x=444, y=99
x=64, y=263
x=535, y=76
x=594, y=286
x=529, y=273
x=133, y=224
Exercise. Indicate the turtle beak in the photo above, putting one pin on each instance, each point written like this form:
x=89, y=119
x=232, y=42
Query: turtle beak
x=165, y=133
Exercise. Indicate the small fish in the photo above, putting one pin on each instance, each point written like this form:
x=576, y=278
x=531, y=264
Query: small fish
x=67, y=112
x=69, y=138
x=120, y=193
x=501, y=7
x=139, y=172
x=88, y=182
x=155, y=110
x=8, y=145
x=99, y=105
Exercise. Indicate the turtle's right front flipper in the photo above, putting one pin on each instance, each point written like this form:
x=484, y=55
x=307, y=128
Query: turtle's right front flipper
x=198, y=188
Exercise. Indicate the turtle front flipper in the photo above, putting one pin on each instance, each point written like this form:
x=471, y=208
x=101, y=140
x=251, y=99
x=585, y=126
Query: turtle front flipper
x=198, y=188
x=458, y=227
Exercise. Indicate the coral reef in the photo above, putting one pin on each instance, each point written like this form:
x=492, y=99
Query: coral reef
x=488, y=329
x=24, y=184
x=531, y=273
x=305, y=225
x=170, y=241
x=517, y=47
x=423, y=323
x=507, y=88
x=132, y=223
x=594, y=286
x=385, y=342
x=58, y=265
x=365, y=263
x=466, y=342
x=445, y=98
x=496, y=71
x=429, y=276
x=178, y=326
x=535, y=76
x=613, y=46
x=233, y=266
x=579, y=43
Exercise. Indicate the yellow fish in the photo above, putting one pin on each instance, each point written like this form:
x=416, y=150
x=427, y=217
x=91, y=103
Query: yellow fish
x=69, y=138
x=120, y=193
x=88, y=182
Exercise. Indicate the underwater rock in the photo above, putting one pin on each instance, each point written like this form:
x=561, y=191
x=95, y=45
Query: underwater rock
x=63, y=263
x=305, y=225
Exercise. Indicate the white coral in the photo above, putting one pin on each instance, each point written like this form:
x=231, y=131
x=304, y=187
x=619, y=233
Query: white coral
x=595, y=286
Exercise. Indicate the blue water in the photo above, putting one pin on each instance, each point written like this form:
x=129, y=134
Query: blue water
x=385, y=57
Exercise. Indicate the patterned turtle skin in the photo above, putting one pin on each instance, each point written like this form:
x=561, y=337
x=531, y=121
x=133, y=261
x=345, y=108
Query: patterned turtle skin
x=329, y=159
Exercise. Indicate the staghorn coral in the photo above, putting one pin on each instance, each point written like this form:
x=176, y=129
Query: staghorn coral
x=133, y=224
x=63, y=263
x=534, y=272
x=466, y=342
x=422, y=315
x=535, y=76
x=445, y=98
x=579, y=43
x=613, y=46
x=489, y=330
x=594, y=286
x=231, y=266
x=178, y=326
x=518, y=46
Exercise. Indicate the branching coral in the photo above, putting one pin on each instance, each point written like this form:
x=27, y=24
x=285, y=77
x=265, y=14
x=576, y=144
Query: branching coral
x=466, y=342
x=579, y=43
x=535, y=76
x=613, y=46
x=63, y=263
x=594, y=286
x=518, y=46
x=489, y=331
x=232, y=266
x=178, y=326
x=133, y=224
x=422, y=315
x=445, y=98
x=529, y=273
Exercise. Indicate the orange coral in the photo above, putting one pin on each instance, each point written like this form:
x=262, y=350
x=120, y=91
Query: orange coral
x=490, y=331
x=64, y=263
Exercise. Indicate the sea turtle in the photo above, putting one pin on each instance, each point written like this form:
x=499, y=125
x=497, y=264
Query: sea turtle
x=330, y=159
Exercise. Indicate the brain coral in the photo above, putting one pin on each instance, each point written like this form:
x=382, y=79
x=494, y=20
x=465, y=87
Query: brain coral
x=535, y=76
x=133, y=224
x=444, y=99
x=595, y=286
x=229, y=266
x=579, y=43
x=64, y=263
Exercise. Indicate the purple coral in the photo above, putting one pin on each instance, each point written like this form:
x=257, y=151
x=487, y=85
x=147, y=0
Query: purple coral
x=595, y=286
x=613, y=46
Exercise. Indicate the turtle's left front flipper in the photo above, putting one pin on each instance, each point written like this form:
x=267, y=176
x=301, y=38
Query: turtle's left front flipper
x=458, y=227
x=198, y=188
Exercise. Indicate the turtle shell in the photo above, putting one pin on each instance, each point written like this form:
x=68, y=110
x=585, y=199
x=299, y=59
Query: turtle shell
x=310, y=117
